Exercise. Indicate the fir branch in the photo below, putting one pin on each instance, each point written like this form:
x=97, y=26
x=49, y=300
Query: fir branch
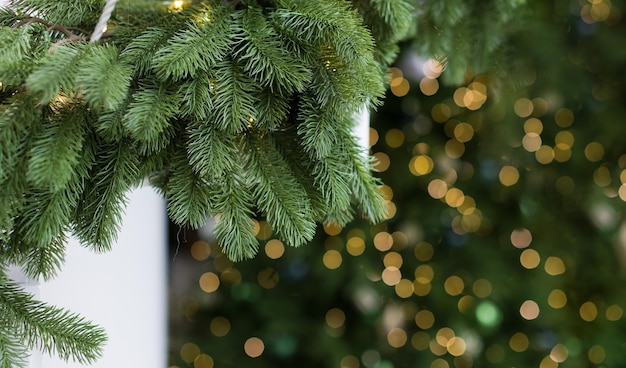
x=234, y=229
x=235, y=98
x=198, y=47
x=197, y=97
x=56, y=72
x=56, y=148
x=97, y=218
x=104, y=78
x=318, y=128
x=331, y=178
x=188, y=194
x=365, y=187
x=278, y=194
x=149, y=115
x=273, y=110
x=141, y=50
x=13, y=351
x=77, y=13
x=264, y=56
x=212, y=153
x=54, y=330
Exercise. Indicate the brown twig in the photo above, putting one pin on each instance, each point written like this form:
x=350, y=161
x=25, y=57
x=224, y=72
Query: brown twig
x=67, y=31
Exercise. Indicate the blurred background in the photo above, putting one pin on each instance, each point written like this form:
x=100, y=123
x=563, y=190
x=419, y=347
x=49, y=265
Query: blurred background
x=504, y=171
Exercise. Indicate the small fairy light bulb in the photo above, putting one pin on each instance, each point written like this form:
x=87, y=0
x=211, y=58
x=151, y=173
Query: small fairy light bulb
x=176, y=5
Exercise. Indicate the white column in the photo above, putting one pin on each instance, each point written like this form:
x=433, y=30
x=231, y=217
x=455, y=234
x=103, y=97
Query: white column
x=123, y=290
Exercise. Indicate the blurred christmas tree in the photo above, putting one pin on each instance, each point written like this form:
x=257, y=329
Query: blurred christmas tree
x=505, y=243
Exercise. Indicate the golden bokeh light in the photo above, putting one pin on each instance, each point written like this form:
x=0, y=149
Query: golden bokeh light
x=394, y=138
x=454, y=197
x=220, y=326
x=383, y=241
x=602, y=176
x=463, y=132
x=437, y=188
x=200, y=250
x=596, y=354
x=399, y=86
x=373, y=136
x=381, y=162
x=533, y=125
x=482, y=288
x=274, y=249
x=349, y=361
x=393, y=259
x=429, y=86
x=564, y=117
x=540, y=106
x=332, y=229
x=209, y=282
x=594, y=151
x=265, y=231
x=466, y=304
x=432, y=68
x=424, y=274
x=523, y=107
x=529, y=310
x=454, y=285
x=544, y=155
x=521, y=238
x=441, y=112
x=456, y=346
x=588, y=311
x=404, y=289
x=424, y=251
x=562, y=154
x=254, y=347
x=203, y=361
x=444, y=335
x=391, y=275
x=421, y=165
x=559, y=353
x=564, y=139
x=335, y=318
x=332, y=259
x=421, y=289
x=530, y=258
x=397, y=337
x=614, y=312
x=547, y=362
x=424, y=319
x=355, y=246
x=508, y=175
x=531, y=142
x=519, y=342
x=420, y=341
x=454, y=148
x=189, y=351
x=557, y=299
x=554, y=266
x=440, y=363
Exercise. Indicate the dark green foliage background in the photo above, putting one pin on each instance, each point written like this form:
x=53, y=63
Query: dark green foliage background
x=556, y=56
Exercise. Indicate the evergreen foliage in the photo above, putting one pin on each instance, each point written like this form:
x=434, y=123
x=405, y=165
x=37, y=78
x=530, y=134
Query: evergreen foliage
x=234, y=110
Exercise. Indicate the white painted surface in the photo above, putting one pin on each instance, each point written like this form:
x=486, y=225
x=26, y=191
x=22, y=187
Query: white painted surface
x=123, y=290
